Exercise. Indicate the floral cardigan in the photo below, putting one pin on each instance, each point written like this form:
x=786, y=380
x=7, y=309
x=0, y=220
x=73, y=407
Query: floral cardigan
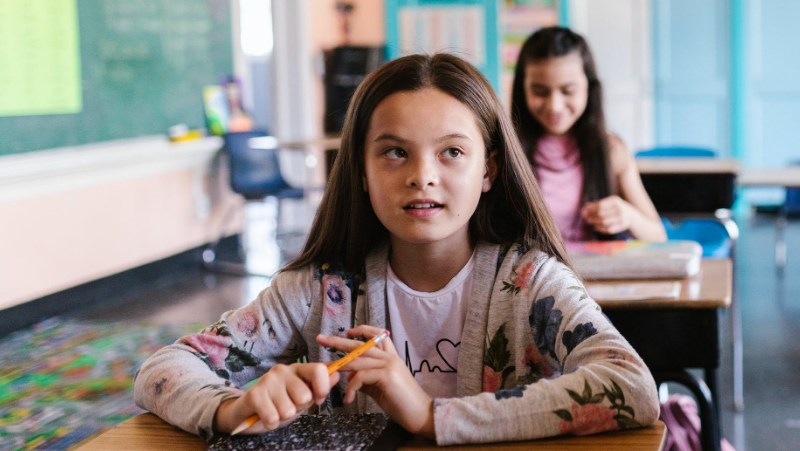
x=537, y=357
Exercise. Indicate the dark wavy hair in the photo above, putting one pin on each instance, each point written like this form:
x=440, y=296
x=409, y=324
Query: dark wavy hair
x=589, y=130
x=346, y=228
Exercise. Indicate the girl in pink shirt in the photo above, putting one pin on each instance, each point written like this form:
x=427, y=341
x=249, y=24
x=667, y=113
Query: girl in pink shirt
x=587, y=175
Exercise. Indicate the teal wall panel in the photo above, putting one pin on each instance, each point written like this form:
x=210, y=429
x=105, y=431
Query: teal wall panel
x=772, y=82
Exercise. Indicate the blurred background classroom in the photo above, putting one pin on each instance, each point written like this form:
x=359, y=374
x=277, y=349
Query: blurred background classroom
x=123, y=226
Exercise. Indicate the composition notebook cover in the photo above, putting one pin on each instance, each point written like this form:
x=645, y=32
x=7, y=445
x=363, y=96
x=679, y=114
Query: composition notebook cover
x=598, y=260
x=369, y=432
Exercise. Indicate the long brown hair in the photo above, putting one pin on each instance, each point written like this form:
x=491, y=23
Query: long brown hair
x=346, y=228
x=589, y=130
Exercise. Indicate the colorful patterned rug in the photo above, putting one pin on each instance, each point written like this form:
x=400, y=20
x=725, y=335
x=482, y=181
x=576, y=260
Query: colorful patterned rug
x=65, y=381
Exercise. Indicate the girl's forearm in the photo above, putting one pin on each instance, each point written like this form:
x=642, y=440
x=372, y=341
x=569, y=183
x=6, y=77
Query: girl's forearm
x=222, y=419
x=645, y=228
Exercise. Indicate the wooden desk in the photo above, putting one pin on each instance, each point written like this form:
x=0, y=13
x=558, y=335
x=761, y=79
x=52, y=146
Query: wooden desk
x=325, y=142
x=672, y=335
x=689, y=185
x=148, y=432
x=669, y=165
x=781, y=176
x=788, y=177
x=328, y=145
x=270, y=142
x=709, y=289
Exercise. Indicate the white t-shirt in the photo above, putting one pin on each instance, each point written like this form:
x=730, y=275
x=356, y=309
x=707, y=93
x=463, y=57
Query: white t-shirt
x=426, y=329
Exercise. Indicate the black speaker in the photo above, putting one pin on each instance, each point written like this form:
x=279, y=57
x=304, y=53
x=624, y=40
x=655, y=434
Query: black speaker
x=345, y=69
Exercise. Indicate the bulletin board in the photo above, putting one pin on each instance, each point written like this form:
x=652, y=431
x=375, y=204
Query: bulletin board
x=520, y=19
x=467, y=28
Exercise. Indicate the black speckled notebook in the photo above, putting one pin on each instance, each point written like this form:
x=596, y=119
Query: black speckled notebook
x=370, y=432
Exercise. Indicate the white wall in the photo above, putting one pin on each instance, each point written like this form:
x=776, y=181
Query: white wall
x=619, y=35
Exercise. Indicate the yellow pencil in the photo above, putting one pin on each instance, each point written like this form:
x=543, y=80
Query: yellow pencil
x=253, y=419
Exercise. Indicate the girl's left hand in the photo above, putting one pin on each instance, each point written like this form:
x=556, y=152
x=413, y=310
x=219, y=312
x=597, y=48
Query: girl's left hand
x=382, y=374
x=609, y=215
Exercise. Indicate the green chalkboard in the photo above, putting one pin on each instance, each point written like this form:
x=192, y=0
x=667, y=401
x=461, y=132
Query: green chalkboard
x=143, y=66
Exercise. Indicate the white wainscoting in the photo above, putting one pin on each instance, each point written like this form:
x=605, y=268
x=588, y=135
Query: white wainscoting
x=73, y=215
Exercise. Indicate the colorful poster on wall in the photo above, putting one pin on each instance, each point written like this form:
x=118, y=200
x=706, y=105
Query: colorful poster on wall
x=40, y=69
x=520, y=19
x=454, y=29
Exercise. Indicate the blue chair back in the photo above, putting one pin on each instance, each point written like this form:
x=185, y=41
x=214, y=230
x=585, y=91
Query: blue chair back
x=791, y=206
x=254, y=173
x=710, y=233
x=677, y=152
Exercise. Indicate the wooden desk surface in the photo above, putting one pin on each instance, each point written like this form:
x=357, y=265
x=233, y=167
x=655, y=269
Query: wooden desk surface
x=148, y=432
x=789, y=177
x=270, y=142
x=687, y=166
x=710, y=288
x=326, y=142
x=786, y=176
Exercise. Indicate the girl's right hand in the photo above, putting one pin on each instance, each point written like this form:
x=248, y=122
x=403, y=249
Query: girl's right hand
x=278, y=398
x=609, y=215
x=384, y=376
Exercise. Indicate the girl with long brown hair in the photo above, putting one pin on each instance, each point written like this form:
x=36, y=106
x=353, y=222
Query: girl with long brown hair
x=588, y=177
x=432, y=227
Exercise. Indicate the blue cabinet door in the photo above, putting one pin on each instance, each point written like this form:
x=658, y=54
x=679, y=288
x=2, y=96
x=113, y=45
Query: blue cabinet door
x=691, y=66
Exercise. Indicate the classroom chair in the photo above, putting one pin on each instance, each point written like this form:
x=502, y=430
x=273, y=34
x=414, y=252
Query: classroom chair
x=791, y=205
x=677, y=152
x=698, y=195
x=712, y=235
x=255, y=173
x=789, y=209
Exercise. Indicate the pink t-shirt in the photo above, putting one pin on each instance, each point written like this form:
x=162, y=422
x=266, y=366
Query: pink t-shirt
x=560, y=175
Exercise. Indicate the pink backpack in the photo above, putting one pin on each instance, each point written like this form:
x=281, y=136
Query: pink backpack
x=679, y=413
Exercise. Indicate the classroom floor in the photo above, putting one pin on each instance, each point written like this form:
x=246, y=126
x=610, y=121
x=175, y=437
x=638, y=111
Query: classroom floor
x=770, y=307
